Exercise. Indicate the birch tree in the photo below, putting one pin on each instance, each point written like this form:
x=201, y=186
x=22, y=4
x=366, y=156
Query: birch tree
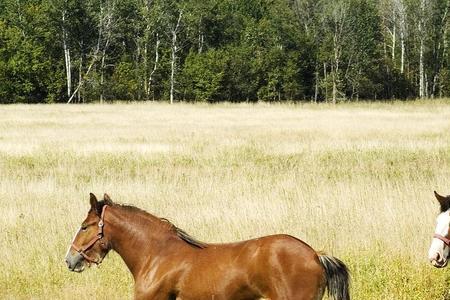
x=389, y=21
x=439, y=32
x=98, y=53
x=155, y=66
x=361, y=54
x=153, y=38
x=174, y=31
x=308, y=13
x=67, y=60
x=421, y=34
x=106, y=29
x=401, y=18
x=337, y=27
x=148, y=44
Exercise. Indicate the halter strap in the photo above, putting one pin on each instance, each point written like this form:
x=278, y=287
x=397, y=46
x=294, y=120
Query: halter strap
x=82, y=250
x=442, y=238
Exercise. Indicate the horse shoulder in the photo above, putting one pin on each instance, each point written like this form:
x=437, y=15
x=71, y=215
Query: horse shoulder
x=162, y=276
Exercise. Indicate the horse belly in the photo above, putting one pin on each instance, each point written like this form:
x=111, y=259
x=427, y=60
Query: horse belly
x=213, y=297
x=226, y=287
x=219, y=297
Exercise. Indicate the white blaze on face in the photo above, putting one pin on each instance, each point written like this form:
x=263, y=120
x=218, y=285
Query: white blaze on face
x=71, y=243
x=439, y=252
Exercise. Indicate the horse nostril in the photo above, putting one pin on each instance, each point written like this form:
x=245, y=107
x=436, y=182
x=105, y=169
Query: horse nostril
x=438, y=256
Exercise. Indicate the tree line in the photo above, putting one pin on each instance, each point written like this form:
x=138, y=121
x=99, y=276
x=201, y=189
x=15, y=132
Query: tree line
x=78, y=51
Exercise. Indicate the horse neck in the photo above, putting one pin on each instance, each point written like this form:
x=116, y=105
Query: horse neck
x=137, y=237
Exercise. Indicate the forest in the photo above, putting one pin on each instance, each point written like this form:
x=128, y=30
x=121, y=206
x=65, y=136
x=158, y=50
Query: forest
x=79, y=51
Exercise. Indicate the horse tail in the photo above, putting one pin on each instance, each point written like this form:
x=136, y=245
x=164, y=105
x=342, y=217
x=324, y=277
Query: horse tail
x=337, y=277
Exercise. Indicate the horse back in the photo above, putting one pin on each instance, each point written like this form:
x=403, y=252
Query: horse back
x=277, y=266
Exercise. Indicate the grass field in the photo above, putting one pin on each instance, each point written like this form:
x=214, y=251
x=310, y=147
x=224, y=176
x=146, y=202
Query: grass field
x=354, y=180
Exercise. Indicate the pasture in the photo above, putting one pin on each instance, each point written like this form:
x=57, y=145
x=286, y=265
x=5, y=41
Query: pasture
x=353, y=180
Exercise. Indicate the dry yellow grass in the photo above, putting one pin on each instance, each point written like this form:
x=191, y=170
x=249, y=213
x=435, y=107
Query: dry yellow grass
x=353, y=180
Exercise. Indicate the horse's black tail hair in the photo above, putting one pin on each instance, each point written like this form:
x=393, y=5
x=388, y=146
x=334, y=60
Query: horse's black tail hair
x=337, y=277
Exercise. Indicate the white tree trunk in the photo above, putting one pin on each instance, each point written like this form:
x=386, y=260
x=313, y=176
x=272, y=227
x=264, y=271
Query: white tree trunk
x=173, y=62
x=200, y=42
x=155, y=66
x=68, y=69
x=394, y=33
x=173, y=65
x=335, y=64
x=421, y=50
x=316, y=87
x=107, y=23
x=80, y=81
x=325, y=77
x=67, y=60
x=401, y=11
x=402, y=54
x=421, y=71
x=102, y=76
x=145, y=81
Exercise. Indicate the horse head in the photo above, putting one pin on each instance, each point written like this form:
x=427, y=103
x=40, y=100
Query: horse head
x=440, y=246
x=90, y=244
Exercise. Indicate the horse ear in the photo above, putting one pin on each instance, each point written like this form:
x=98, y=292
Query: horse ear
x=107, y=199
x=443, y=201
x=93, y=201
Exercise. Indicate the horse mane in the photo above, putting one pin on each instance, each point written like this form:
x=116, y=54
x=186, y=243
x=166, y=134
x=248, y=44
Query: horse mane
x=183, y=235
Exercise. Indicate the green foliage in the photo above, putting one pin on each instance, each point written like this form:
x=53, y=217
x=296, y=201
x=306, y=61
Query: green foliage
x=124, y=84
x=26, y=72
x=233, y=50
x=203, y=74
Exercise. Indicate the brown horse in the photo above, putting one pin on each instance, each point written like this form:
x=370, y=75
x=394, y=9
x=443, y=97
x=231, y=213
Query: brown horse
x=167, y=263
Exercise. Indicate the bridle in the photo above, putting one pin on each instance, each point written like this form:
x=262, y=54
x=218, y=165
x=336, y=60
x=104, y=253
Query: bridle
x=82, y=250
x=442, y=238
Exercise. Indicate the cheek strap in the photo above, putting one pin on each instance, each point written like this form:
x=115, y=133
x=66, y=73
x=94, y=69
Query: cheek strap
x=82, y=250
x=442, y=238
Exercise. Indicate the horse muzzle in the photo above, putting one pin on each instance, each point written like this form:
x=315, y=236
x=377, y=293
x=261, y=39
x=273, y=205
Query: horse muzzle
x=438, y=261
x=439, y=264
x=75, y=262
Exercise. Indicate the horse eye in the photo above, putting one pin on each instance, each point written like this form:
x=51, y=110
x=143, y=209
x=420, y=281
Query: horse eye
x=83, y=228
